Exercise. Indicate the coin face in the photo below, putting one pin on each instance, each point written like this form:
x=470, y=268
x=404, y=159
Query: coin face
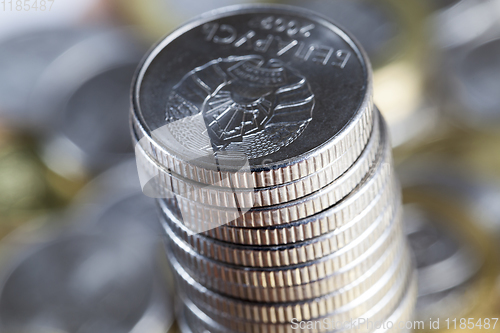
x=272, y=84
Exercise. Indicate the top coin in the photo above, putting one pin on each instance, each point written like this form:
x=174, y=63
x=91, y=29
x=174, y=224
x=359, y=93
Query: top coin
x=273, y=92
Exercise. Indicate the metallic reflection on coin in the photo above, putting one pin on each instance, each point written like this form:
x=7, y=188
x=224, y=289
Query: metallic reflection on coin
x=262, y=91
x=277, y=95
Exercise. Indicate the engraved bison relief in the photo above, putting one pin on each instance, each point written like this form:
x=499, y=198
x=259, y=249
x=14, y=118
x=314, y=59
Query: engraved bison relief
x=240, y=104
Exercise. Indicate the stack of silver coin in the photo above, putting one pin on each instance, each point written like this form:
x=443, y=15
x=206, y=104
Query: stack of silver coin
x=256, y=130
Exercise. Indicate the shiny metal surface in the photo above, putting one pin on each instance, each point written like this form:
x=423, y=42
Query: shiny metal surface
x=380, y=235
x=389, y=304
x=305, y=229
x=275, y=256
x=192, y=319
x=393, y=34
x=233, y=309
x=340, y=171
x=200, y=217
x=381, y=257
x=311, y=283
x=312, y=133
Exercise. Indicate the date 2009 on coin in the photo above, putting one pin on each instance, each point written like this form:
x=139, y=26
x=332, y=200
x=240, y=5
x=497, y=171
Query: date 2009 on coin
x=26, y=5
x=288, y=36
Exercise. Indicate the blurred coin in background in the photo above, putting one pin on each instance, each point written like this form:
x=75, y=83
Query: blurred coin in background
x=117, y=204
x=85, y=92
x=113, y=203
x=77, y=283
x=66, y=91
x=105, y=272
x=447, y=266
x=471, y=85
x=457, y=262
x=465, y=80
x=27, y=188
x=463, y=178
x=23, y=60
x=452, y=188
x=56, y=14
x=458, y=22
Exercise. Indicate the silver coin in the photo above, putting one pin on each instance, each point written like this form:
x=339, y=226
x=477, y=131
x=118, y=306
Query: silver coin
x=192, y=319
x=378, y=235
x=77, y=283
x=23, y=60
x=383, y=301
x=274, y=256
x=404, y=312
x=277, y=256
x=272, y=90
x=200, y=217
x=447, y=265
x=88, y=104
x=235, y=309
x=307, y=284
x=380, y=258
x=475, y=86
x=302, y=230
x=444, y=259
x=248, y=106
x=241, y=198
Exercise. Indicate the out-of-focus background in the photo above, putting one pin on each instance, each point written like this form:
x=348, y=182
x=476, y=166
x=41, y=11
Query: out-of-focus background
x=80, y=247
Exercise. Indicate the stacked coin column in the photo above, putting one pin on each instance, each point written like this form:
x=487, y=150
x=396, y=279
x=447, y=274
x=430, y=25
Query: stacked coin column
x=255, y=129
